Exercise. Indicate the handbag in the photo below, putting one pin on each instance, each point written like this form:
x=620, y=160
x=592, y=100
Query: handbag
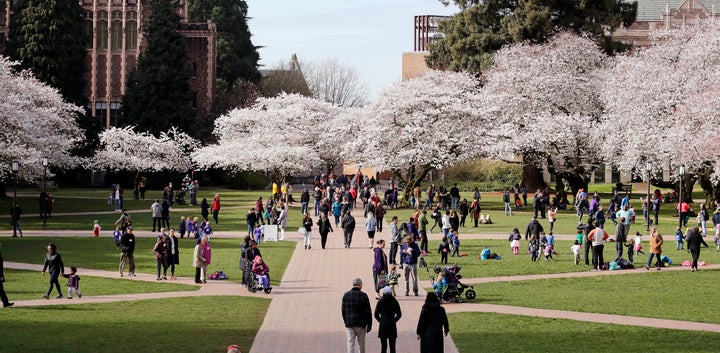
x=302, y=230
x=382, y=281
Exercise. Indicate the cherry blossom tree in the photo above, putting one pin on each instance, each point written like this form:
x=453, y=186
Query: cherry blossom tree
x=418, y=125
x=541, y=102
x=123, y=148
x=280, y=136
x=37, y=122
x=662, y=107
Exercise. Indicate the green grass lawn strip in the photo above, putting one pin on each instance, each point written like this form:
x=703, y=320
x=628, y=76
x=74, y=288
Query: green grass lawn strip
x=196, y=324
x=490, y=332
x=26, y=285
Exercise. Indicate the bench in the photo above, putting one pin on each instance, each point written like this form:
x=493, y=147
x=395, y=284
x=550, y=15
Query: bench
x=626, y=188
x=50, y=185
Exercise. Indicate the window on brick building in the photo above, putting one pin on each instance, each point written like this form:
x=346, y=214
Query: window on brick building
x=131, y=34
x=102, y=30
x=89, y=29
x=116, y=34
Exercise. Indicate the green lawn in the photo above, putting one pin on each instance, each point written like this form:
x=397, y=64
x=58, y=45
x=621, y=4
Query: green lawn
x=101, y=253
x=489, y=332
x=678, y=295
x=26, y=285
x=196, y=324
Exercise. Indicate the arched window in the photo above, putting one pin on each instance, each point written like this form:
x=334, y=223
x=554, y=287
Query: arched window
x=131, y=34
x=102, y=30
x=89, y=29
x=116, y=34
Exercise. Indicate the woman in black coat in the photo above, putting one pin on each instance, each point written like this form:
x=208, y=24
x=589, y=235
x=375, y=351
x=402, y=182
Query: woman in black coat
x=173, y=253
x=433, y=323
x=387, y=313
x=694, y=239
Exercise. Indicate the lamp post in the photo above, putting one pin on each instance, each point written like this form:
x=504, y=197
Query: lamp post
x=43, y=208
x=15, y=167
x=681, y=215
x=648, y=168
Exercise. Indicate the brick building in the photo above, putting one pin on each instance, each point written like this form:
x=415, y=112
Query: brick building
x=113, y=29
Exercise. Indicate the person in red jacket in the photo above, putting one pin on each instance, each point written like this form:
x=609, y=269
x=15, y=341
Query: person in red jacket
x=216, y=208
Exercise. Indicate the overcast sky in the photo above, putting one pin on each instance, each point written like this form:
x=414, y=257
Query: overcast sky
x=367, y=35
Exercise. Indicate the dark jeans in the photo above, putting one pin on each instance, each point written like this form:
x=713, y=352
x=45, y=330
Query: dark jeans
x=588, y=253
x=323, y=239
x=348, y=237
x=393, y=252
x=197, y=275
x=215, y=216
x=384, y=344
x=3, y=296
x=598, y=259
x=695, y=253
x=424, y=241
x=658, y=264
x=158, y=264
x=379, y=224
x=54, y=281
x=157, y=221
x=618, y=249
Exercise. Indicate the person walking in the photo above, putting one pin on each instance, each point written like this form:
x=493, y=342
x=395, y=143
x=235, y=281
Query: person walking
x=324, y=228
x=15, y=213
x=656, y=242
x=173, y=253
x=348, y=226
x=410, y=252
x=160, y=251
x=282, y=221
x=387, y=313
x=307, y=225
x=395, y=240
x=216, y=208
x=432, y=325
x=157, y=213
x=127, y=251
x=371, y=227
x=54, y=264
x=694, y=239
x=598, y=236
x=357, y=316
x=422, y=230
x=380, y=267
x=620, y=236
x=198, y=260
x=3, y=295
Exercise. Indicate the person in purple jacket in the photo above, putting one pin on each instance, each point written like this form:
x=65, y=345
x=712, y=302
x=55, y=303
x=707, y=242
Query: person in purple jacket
x=380, y=267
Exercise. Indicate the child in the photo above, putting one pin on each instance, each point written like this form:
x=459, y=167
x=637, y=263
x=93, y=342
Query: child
x=440, y=285
x=183, y=227
x=393, y=278
x=443, y=250
x=579, y=236
x=515, y=240
x=533, y=250
x=258, y=232
x=576, y=252
x=96, y=229
x=73, y=283
x=638, y=243
x=631, y=248
x=551, y=239
x=548, y=252
x=116, y=235
x=455, y=243
x=679, y=238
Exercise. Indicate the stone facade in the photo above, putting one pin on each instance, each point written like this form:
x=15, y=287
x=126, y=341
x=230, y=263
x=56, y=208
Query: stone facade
x=113, y=29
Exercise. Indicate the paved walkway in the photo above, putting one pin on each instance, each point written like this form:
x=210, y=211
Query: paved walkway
x=305, y=309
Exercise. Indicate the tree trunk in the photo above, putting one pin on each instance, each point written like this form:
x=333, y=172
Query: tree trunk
x=711, y=190
x=532, y=176
x=410, y=180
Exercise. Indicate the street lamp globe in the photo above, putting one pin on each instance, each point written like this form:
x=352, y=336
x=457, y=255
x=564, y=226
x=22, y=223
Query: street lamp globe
x=15, y=166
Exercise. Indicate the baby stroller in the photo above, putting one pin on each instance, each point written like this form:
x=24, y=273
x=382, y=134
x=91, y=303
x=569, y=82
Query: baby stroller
x=180, y=197
x=455, y=288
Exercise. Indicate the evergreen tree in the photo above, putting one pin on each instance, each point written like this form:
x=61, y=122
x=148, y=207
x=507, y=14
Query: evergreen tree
x=237, y=58
x=484, y=26
x=48, y=38
x=158, y=94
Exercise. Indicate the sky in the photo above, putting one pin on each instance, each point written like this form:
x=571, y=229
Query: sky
x=366, y=35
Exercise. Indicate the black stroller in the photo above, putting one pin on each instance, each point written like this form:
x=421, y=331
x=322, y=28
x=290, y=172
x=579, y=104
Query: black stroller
x=180, y=197
x=455, y=288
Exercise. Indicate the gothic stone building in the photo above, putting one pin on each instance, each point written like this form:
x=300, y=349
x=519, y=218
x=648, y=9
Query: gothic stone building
x=115, y=38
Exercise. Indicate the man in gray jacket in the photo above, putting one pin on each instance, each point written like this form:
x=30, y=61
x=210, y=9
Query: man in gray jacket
x=156, y=209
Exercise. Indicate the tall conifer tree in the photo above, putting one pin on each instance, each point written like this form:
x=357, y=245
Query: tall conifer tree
x=158, y=94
